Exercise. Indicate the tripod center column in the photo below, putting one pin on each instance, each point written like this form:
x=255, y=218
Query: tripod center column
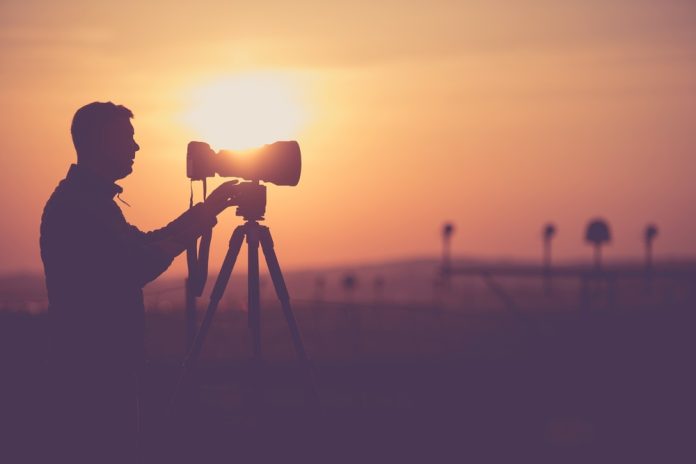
x=254, y=316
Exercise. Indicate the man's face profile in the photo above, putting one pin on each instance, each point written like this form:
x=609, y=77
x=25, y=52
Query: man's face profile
x=119, y=148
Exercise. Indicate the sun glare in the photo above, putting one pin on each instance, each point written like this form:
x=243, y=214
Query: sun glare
x=247, y=110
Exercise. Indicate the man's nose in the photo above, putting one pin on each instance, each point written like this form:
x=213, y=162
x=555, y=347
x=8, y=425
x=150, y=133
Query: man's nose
x=136, y=146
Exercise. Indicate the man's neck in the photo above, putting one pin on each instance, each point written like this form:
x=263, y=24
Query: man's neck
x=95, y=171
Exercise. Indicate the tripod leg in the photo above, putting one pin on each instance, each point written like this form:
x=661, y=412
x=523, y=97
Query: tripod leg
x=284, y=297
x=215, y=297
x=254, y=317
x=281, y=290
x=255, y=404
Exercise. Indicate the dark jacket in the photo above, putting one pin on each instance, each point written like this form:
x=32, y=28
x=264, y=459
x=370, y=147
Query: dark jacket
x=96, y=265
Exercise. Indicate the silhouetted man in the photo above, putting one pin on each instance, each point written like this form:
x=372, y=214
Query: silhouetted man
x=96, y=265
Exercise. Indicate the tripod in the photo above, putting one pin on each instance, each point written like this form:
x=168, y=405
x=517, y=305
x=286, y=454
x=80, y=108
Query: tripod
x=252, y=208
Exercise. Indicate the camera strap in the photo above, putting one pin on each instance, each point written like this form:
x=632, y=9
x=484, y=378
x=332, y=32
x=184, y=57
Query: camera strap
x=197, y=259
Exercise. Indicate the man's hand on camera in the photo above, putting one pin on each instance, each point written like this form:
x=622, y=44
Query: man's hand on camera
x=222, y=197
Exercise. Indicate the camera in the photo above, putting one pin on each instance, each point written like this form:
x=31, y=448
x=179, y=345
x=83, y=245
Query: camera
x=278, y=163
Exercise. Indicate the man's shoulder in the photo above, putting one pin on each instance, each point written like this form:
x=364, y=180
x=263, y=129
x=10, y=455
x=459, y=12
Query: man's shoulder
x=63, y=200
x=70, y=203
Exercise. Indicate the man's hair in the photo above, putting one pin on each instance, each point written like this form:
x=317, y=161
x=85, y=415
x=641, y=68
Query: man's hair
x=89, y=122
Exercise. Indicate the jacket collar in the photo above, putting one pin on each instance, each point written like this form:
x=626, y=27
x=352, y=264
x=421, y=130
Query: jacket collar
x=85, y=179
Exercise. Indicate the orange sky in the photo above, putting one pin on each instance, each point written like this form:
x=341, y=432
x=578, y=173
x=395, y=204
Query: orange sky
x=498, y=116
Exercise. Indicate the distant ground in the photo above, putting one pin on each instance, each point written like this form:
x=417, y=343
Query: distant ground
x=412, y=281
x=411, y=372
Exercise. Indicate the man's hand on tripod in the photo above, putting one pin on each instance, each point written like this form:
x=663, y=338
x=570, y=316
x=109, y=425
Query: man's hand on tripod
x=222, y=197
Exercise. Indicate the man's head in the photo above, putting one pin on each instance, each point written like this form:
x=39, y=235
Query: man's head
x=103, y=137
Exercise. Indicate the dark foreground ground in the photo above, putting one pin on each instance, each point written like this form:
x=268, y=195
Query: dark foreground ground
x=404, y=385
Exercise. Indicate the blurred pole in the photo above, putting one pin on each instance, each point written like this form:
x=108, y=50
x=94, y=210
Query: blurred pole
x=650, y=234
x=351, y=314
x=446, y=259
x=648, y=267
x=598, y=257
x=547, y=235
x=598, y=277
x=547, y=266
x=447, y=231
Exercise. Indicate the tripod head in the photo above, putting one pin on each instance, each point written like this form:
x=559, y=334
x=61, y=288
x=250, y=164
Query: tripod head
x=252, y=201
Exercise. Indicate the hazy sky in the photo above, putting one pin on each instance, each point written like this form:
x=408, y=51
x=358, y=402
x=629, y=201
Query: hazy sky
x=498, y=116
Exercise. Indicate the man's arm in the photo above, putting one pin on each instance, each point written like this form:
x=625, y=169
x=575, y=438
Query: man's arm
x=158, y=248
x=123, y=254
x=176, y=236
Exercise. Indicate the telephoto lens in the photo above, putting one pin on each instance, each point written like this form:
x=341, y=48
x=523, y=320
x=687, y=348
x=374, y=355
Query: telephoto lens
x=279, y=163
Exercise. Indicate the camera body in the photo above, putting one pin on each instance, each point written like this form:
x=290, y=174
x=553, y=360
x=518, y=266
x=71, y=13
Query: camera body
x=279, y=163
x=200, y=162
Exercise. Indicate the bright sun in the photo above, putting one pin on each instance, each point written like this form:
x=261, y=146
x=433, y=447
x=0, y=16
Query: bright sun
x=247, y=110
